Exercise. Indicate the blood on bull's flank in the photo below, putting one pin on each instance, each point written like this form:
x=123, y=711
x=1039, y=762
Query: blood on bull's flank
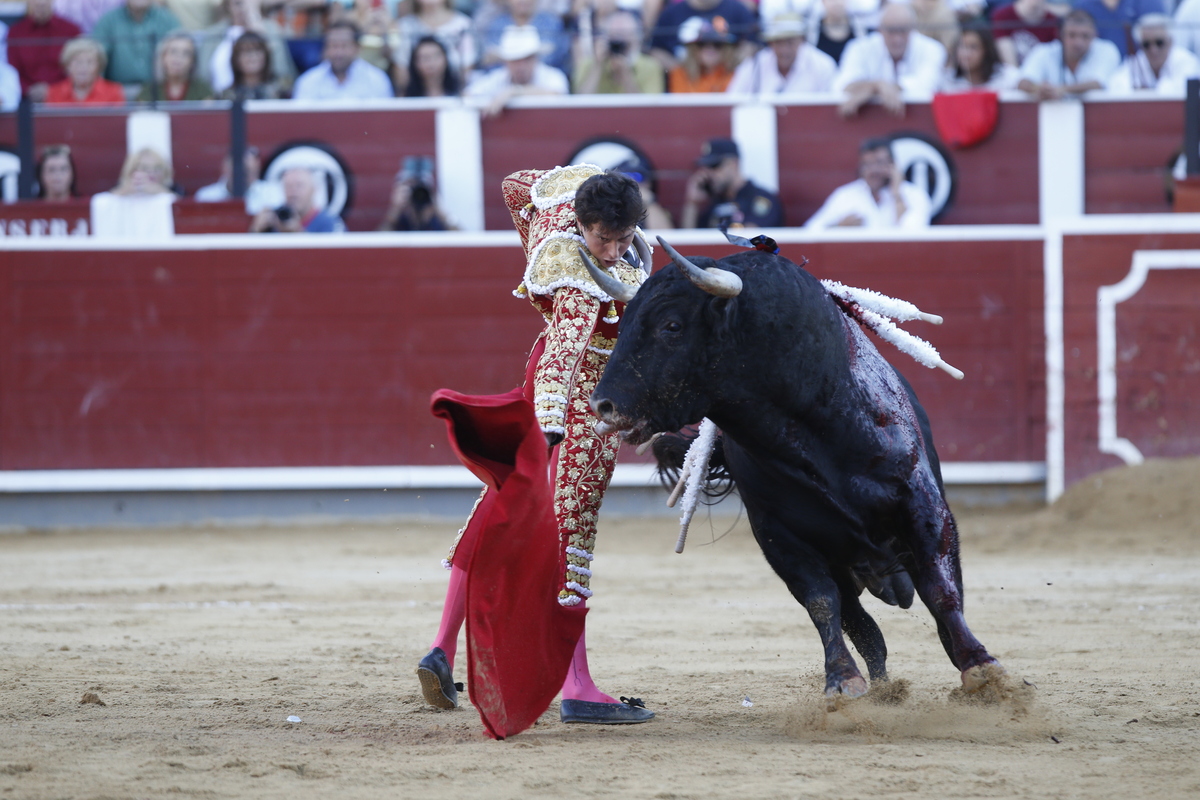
x=826, y=442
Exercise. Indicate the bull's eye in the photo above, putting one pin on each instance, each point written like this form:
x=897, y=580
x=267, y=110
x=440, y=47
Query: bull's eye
x=672, y=326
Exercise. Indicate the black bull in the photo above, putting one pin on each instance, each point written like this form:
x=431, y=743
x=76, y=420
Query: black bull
x=830, y=450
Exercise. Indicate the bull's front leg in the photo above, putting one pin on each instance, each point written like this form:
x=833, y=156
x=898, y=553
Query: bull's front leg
x=809, y=580
x=938, y=579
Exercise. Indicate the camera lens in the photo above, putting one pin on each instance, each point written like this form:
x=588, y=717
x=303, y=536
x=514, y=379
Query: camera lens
x=618, y=48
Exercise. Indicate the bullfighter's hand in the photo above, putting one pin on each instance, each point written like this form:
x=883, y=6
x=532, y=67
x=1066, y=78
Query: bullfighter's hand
x=850, y=221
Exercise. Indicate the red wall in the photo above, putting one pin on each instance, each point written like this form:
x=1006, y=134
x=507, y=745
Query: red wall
x=1158, y=354
x=328, y=357
x=1128, y=149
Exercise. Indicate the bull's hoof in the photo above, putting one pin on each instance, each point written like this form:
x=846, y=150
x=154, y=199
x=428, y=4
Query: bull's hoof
x=989, y=684
x=981, y=675
x=839, y=692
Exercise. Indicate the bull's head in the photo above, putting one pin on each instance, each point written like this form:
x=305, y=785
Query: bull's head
x=658, y=375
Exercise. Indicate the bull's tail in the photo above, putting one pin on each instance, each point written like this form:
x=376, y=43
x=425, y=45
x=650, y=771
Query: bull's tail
x=669, y=451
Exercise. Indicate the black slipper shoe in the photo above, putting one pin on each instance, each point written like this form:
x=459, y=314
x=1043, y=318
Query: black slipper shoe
x=437, y=684
x=628, y=712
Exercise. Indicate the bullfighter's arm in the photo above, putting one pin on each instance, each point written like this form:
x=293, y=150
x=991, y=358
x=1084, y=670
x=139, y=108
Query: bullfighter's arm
x=516, y=189
x=567, y=338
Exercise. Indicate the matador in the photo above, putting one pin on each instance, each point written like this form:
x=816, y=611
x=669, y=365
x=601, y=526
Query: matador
x=557, y=212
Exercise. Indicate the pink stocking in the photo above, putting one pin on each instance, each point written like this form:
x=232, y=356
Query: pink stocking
x=579, y=684
x=453, y=613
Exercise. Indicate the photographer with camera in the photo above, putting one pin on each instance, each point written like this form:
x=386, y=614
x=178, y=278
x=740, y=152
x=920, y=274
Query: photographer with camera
x=717, y=195
x=299, y=213
x=413, y=205
x=615, y=64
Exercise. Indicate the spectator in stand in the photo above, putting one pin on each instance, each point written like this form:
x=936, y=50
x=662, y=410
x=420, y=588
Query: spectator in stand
x=975, y=62
x=880, y=198
x=666, y=42
x=342, y=75
x=260, y=194
x=1158, y=66
x=34, y=44
x=615, y=64
x=523, y=72
x=10, y=87
x=1187, y=25
x=56, y=175
x=519, y=13
x=657, y=216
x=787, y=65
x=175, y=72
x=937, y=20
x=215, y=62
x=436, y=18
x=1076, y=64
x=299, y=213
x=253, y=68
x=83, y=60
x=1021, y=26
x=835, y=30
x=84, y=13
x=1114, y=19
x=413, y=205
x=429, y=71
x=145, y=172
x=129, y=35
x=194, y=15
x=719, y=196
x=139, y=207
x=709, y=59
x=894, y=65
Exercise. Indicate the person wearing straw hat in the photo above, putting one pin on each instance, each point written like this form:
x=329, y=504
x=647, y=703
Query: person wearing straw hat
x=523, y=72
x=787, y=65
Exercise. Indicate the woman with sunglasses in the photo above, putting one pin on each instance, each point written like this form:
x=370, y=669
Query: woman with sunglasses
x=1158, y=66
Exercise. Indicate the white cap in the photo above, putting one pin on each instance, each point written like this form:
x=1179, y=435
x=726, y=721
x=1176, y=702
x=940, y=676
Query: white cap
x=783, y=26
x=519, y=41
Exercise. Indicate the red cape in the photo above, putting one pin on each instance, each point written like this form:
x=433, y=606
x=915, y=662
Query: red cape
x=519, y=639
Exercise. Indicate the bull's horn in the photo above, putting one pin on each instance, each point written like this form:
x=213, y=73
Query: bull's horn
x=612, y=287
x=719, y=282
x=643, y=252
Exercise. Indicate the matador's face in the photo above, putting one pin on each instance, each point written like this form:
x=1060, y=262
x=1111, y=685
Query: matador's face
x=607, y=246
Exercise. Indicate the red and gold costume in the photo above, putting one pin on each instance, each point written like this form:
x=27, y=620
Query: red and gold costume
x=568, y=357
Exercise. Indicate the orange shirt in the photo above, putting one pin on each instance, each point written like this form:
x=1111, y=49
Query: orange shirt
x=678, y=81
x=102, y=92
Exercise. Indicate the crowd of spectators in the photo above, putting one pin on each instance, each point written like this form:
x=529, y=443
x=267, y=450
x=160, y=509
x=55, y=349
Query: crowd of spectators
x=855, y=51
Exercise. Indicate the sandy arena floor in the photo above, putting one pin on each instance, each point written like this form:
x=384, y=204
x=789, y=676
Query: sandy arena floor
x=201, y=643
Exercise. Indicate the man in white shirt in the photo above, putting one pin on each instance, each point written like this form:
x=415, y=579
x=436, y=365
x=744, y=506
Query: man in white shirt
x=342, y=75
x=894, y=65
x=523, y=72
x=880, y=198
x=260, y=194
x=787, y=65
x=1077, y=63
x=1158, y=66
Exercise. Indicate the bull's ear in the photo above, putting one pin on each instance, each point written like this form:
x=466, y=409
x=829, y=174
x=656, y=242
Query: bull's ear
x=721, y=314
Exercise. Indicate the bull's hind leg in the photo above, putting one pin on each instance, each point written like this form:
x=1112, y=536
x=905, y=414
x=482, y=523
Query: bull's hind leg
x=938, y=579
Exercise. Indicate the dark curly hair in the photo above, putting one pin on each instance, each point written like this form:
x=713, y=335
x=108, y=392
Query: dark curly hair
x=611, y=201
x=416, y=81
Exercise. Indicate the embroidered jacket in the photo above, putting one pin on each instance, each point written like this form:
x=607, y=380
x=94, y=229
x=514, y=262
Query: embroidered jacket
x=579, y=315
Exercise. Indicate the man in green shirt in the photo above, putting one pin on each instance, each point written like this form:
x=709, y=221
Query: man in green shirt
x=128, y=35
x=617, y=64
